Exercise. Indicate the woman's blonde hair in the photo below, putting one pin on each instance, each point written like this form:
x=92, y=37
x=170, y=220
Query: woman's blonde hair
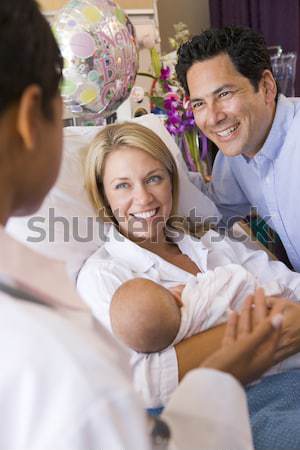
x=115, y=137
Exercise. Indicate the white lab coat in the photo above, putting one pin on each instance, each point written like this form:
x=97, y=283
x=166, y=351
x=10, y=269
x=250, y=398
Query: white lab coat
x=65, y=383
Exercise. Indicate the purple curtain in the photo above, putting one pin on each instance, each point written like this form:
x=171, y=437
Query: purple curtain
x=278, y=20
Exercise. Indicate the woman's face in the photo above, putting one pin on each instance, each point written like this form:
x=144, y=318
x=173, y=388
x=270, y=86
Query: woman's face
x=139, y=191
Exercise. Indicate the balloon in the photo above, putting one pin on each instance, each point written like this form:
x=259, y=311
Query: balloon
x=97, y=42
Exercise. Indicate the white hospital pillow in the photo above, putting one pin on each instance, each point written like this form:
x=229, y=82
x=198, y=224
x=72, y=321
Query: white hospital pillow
x=60, y=227
x=66, y=226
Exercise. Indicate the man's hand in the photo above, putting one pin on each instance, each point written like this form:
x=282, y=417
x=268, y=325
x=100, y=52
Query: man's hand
x=250, y=340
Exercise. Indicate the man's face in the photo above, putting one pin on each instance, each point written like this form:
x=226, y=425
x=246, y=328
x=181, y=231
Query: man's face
x=226, y=107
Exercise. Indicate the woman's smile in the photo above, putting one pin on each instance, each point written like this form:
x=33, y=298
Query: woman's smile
x=139, y=191
x=145, y=214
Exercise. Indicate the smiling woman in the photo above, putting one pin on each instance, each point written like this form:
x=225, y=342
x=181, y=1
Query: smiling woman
x=142, y=199
x=132, y=180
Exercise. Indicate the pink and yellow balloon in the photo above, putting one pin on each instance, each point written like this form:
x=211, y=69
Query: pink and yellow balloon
x=98, y=45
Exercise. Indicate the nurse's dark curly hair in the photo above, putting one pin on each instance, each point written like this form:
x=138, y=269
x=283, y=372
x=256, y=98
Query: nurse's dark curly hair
x=29, y=54
x=246, y=48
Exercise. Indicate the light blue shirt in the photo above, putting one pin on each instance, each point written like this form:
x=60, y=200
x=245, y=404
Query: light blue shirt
x=269, y=182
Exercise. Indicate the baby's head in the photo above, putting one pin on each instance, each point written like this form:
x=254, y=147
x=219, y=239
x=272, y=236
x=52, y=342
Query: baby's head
x=144, y=315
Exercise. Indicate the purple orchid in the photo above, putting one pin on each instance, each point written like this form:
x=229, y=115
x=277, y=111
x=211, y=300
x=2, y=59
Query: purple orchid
x=180, y=120
x=165, y=73
x=174, y=117
x=171, y=128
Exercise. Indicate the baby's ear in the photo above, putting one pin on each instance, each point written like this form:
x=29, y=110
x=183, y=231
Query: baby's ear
x=178, y=301
x=176, y=292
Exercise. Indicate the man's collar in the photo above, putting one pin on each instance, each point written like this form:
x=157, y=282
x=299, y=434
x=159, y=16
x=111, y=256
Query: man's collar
x=284, y=114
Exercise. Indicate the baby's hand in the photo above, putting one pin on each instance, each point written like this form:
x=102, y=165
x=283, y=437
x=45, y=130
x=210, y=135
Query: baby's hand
x=250, y=341
x=176, y=291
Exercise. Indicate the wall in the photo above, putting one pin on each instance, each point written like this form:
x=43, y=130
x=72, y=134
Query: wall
x=194, y=13
x=135, y=4
x=48, y=5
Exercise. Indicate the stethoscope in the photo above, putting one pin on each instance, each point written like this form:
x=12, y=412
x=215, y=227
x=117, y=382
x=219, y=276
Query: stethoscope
x=9, y=286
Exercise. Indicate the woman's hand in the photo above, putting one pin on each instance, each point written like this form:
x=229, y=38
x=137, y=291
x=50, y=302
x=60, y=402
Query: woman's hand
x=289, y=342
x=250, y=340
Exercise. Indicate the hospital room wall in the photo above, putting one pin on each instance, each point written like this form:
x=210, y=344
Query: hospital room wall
x=194, y=13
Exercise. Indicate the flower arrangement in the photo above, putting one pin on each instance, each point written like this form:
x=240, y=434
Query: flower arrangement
x=168, y=99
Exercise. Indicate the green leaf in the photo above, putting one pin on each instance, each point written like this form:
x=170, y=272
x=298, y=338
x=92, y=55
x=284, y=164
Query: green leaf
x=155, y=60
x=158, y=101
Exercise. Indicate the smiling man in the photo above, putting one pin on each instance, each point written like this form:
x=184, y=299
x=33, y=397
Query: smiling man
x=234, y=113
x=228, y=77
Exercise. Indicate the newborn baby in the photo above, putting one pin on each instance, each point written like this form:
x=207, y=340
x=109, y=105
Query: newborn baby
x=148, y=317
x=144, y=315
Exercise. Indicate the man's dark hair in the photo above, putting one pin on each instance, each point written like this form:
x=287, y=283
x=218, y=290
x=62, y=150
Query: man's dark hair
x=29, y=54
x=246, y=48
